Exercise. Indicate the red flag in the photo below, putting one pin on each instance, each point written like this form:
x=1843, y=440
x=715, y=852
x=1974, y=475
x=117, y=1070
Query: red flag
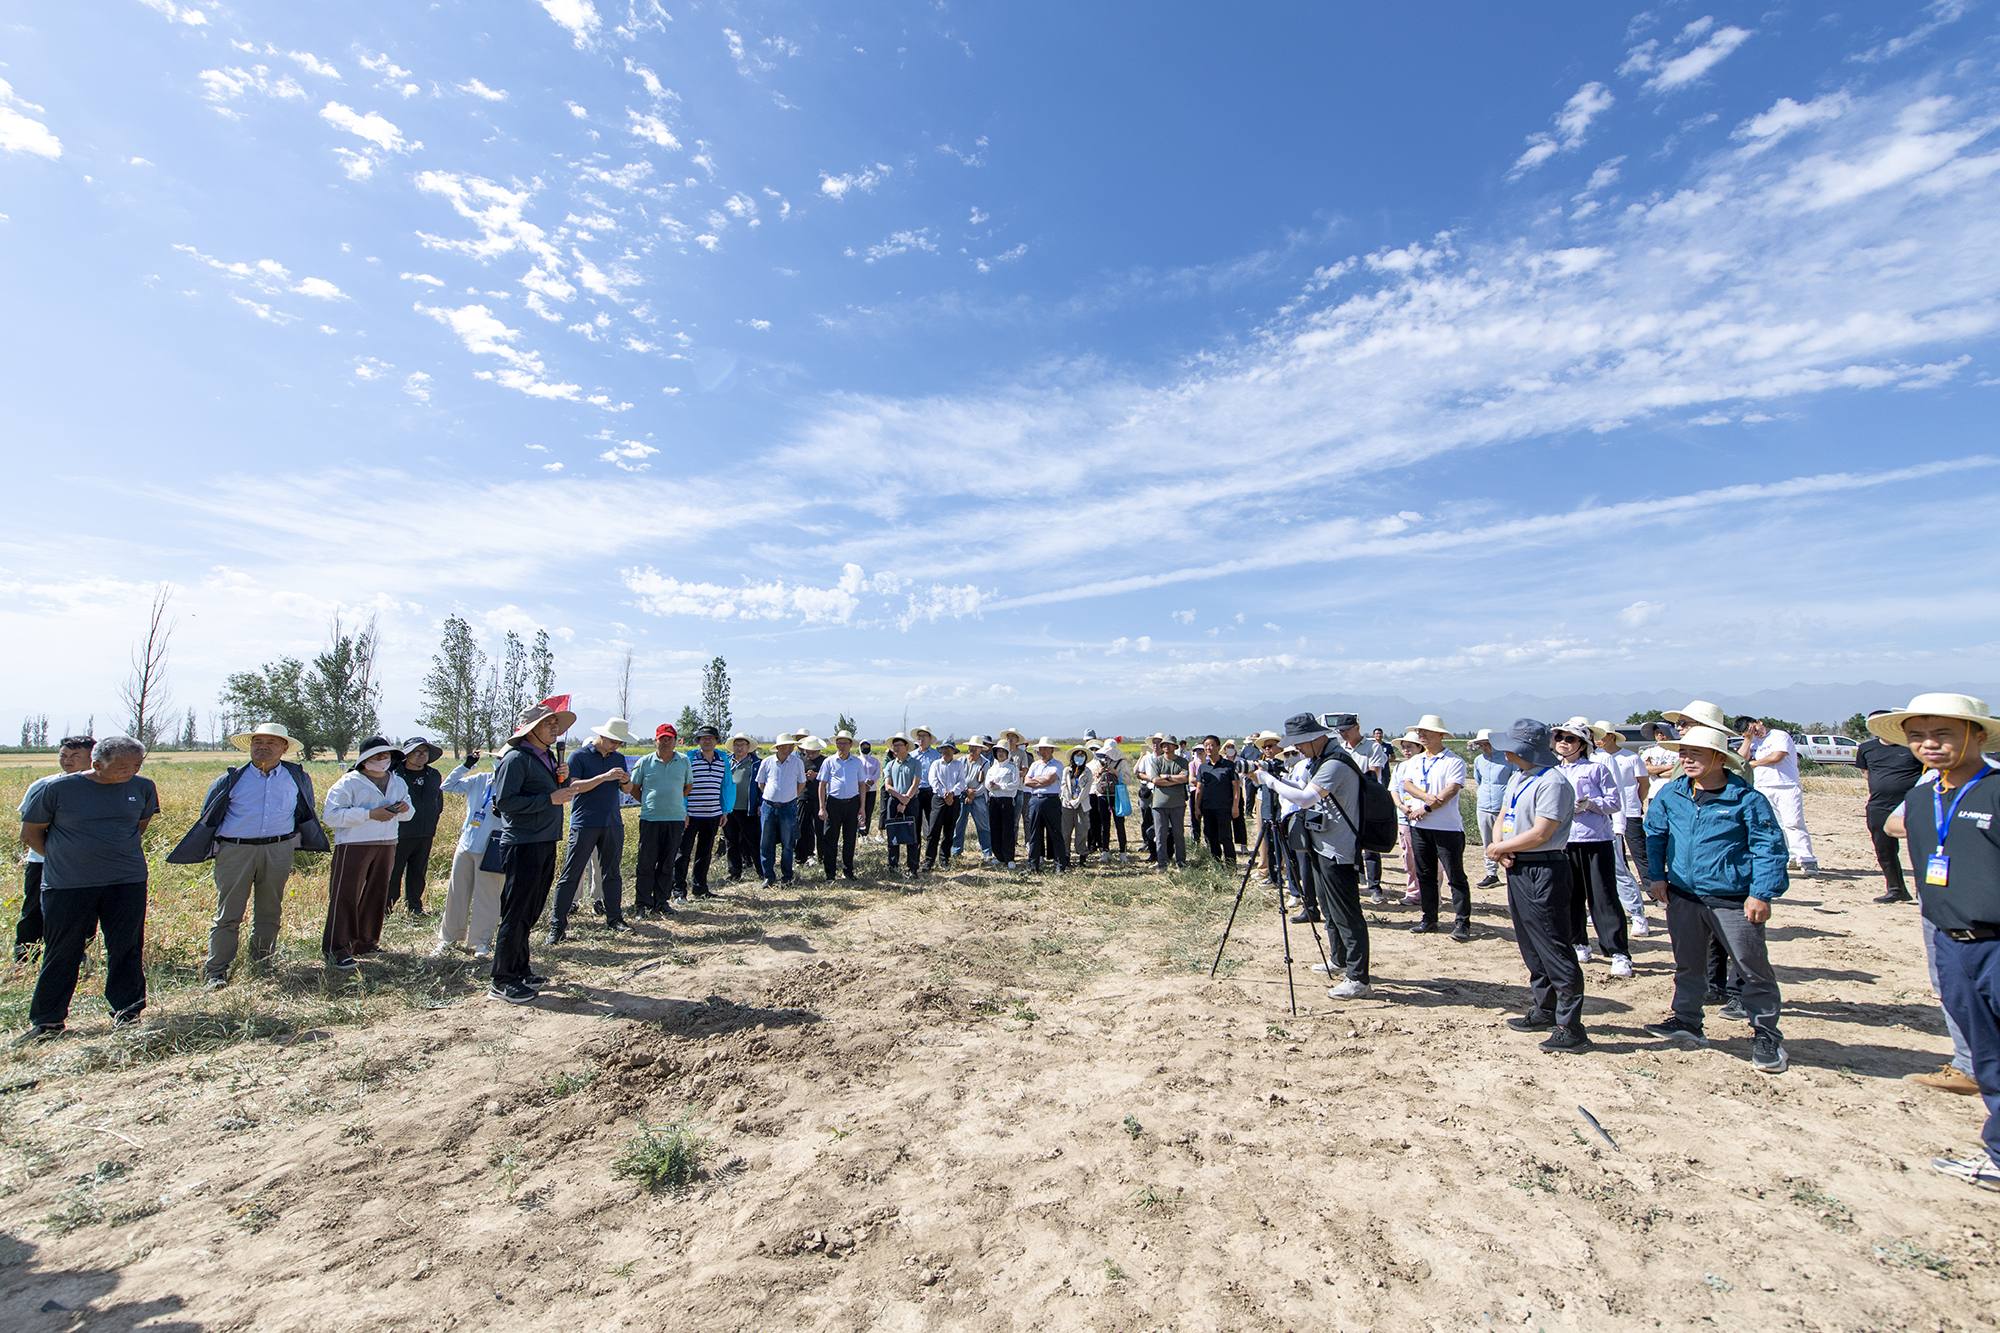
x=557, y=704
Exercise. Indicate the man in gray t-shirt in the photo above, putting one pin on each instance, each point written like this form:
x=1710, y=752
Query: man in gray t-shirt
x=1529, y=839
x=1331, y=799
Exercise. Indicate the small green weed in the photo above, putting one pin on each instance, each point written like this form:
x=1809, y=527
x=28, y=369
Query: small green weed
x=1113, y=1272
x=663, y=1157
x=565, y=1083
x=1828, y=1209
x=77, y=1208
x=1133, y=1129
x=1907, y=1254
x=1273, y=1030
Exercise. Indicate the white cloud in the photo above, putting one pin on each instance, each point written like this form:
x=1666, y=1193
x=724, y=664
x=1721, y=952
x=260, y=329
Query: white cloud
x=1572, y=125
x=263, y=311
x=1768, y=127
x=422, y=277
x=177, y=13
x=581, y=113
x=1674, y=72
x=480, y=90
x=1924, y=150
x=371, y=368
x=652, y=129
x=654, y=88
x=321, y=288
x=664, y=596
x=371, y=127
x=485, y=335
x=1641, y=613
x=500, y=216
x=901, y=243
x=312, y=64
x=629, y=455
x=1185, y=617
x=864, y=180
x=1004, y=257
x=1941, y=12
x=418, y=386
x=957, y=602
x=230, y=83
x=21, y=134
x=579, y=16
x=552, y=467
x=267, y=275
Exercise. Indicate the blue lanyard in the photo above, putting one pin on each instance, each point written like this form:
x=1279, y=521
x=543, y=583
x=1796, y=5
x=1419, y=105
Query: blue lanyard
x=1428, y=765
x=1516, y=798
x=1937, y=805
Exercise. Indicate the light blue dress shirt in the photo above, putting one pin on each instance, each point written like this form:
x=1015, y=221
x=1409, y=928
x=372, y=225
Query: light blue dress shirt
x=261, y=805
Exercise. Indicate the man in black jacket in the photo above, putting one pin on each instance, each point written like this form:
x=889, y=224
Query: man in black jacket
x=1892, y=770
x=252, y=821
x=530, y=788
x=411, y=868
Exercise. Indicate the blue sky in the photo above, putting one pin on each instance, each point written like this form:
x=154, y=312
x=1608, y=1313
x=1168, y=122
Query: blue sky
x=997, y=359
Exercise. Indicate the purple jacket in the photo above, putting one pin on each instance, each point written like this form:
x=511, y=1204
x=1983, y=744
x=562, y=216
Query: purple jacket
x=1596, y=800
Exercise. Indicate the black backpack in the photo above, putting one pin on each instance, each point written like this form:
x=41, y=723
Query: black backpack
x=1376, y=829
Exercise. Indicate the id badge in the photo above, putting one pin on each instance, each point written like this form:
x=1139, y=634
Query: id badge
x=1939, y=869
x=1506, y=827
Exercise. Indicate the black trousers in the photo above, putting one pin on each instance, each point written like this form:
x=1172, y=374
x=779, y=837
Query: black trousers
x=1889, y=851
x=410, y=869
x=895, y=812
x=1000, y=828
x=531, y=870
x=28, y=931
x=698, y=846
x=653, y=877
x=806, y=845
x=942, y=823
x=70, y=919
x=608, y=841
x=1045, y=832
x=867, y=811
x=1216, y=832
x=1339, y=895
x=921, y=809
x=740, y=831
x=1435, y=845
x=1593, y=881
x=1372, y=863
x=1147, y=838
x=1242, y=832
x=1538, y=894
x=842, y=826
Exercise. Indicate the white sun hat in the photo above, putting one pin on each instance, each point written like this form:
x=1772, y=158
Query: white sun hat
x=1963, y=707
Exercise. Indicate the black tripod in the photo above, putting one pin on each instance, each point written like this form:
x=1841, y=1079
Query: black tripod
x=1284, y=921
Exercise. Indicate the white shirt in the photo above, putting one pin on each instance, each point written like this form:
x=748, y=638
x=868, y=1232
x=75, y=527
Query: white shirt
x=1003, y=778
x=946, y=777
x=781, y=780
x=349, y=800
x=1625, y=767
x=1782, y=775
x=1433, y=773
x=1046, y=768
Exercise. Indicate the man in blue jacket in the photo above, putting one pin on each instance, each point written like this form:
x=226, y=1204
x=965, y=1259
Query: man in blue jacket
x=1716, y=857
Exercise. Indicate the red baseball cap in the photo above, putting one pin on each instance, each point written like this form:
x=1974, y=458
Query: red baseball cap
x=666, y=729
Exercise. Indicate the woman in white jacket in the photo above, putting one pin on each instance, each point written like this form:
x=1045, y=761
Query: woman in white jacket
x=1077, y=779
x=472, y=904
x=363, y=807
x=1003, y=784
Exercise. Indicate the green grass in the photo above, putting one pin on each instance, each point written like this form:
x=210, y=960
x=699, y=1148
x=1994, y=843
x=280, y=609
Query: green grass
x=663, y=1157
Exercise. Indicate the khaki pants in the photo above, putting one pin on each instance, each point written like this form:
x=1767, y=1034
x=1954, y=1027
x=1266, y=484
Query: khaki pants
x=471, y=904
x=253, y=878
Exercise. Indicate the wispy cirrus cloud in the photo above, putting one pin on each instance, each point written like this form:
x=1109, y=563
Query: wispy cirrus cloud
x=1699, y=48
x=1572, y=125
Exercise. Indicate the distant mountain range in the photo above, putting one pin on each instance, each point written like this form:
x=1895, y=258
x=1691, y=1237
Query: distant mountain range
x=1800, y=702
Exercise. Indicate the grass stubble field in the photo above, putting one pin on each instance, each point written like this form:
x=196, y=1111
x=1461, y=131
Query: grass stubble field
x=999, y=1102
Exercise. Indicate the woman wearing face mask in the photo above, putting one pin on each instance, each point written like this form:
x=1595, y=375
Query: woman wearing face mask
x=1075, y=790
x=363, y=808
x=1237, y=825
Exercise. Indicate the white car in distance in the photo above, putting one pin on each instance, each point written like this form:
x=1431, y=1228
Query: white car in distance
x=1827, y=749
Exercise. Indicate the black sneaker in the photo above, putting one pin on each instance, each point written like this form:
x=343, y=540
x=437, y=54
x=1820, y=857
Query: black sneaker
x=345, y=962
x=1894, y=896
x=535, y=979
x=1461, y=932
x=1424, y=928
x=38, y=1034
x=1767, y=1054
x=1715, y=995
x=1535, y=1020
x=1677, y=1029
x=557, y=935
x=513, y=993
x=621, y=927
x=1734, y=1011
x=1569, y=1037
x=128, y=1018
x=1488, y=882
x=1303, y=916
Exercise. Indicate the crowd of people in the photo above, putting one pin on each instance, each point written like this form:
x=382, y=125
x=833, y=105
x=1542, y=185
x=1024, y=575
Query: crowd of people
x=1705, y=824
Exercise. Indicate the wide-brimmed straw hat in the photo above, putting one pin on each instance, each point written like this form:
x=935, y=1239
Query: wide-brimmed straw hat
x=1483, y=734
x=535, y=714
x=843, y=735
x=1046, y=744
x=1963, y=707
x=896, y=736
x=923, y=731
x=812, y=743
x=375, y=745
x=292, y=743
x=739, y=736
x=976, y=739
x=1706, y=738
x=785, y=738
x=1604, y=731
x=1529, y=739
x=1410, y=737
x=1432, y=722
x=1002, y=746
x=1701, y=713
x=432, y=751
x=616, y=729
x=1263, y=736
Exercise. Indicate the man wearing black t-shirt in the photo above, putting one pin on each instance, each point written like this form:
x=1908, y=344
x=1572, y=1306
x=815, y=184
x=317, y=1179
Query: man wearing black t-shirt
x=1892, y=770
x=1219, y=799
x=1954, y=832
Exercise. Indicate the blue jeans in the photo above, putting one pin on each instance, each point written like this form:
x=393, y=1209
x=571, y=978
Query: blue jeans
x=1969, y=979
x=972, y=812
x=70, y=918
x=781, y=830
x=1961, y=1053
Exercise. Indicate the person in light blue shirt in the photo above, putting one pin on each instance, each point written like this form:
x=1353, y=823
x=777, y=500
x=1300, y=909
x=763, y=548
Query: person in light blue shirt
x=472, y=901
x=780, y=775
x=1491, y=772
x=842, y=776
x=661, y=782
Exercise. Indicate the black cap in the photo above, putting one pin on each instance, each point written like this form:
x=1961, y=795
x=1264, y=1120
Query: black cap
x=1342, y=721
x=1302, y=727
x=706, y=732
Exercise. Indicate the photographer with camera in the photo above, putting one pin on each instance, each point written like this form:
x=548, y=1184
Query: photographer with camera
x=1327, y=842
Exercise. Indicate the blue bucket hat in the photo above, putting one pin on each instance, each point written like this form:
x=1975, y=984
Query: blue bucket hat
x=1529, y=739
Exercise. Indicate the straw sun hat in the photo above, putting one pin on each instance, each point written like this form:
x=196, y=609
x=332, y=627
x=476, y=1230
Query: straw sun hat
x=277, y=731
x=1706, y=738
x=1701, y=713
x=1963, y=707
x=1432, y=722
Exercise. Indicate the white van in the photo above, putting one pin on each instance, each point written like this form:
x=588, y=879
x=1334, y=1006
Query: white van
x=1827, y=749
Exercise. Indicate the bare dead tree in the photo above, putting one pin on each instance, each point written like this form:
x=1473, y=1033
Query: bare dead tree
x=625, y=688
x=145, y=690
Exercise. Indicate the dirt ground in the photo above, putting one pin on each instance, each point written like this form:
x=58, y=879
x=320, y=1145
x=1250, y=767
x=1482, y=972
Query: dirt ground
x=1007, y=1104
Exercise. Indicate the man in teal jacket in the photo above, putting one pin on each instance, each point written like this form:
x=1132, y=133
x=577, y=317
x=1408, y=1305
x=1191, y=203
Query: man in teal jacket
x=1716, y=855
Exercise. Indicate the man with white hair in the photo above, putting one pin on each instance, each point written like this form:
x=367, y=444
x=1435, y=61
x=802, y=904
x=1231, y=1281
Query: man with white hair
x=89, y=828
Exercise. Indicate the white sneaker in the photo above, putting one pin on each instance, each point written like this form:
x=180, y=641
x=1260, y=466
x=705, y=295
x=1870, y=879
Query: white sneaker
x=1977, y=1170
x=1583, y=953
x=1639, y=930
x=1621, y=965
x=1350, y=990
x=483, y=951
x=1324, y=967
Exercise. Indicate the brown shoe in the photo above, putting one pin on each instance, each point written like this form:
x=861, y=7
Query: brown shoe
x=1947, y=1079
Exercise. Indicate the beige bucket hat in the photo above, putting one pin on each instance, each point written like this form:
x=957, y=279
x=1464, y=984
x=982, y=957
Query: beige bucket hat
x=1432, y=722
x=1484, y=734
x=1046, y=744
x=1706, y=738
x=616, y=729
x=1411, y=736
x=1604, y=731
x=1889, y=726
x=812, y=744
x=292, y=743
x=1701, y=713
